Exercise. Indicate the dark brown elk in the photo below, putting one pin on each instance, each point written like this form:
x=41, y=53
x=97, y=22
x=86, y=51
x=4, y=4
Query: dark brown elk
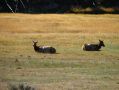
x=93, y=47
x=43, y=49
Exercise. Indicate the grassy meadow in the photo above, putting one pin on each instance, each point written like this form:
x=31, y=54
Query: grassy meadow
x=71, y=68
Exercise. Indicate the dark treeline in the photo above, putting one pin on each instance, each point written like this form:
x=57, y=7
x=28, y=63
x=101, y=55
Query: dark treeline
x=59, y=6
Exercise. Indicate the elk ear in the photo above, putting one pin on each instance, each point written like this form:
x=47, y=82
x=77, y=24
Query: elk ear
x=35, y=41
x=100, y=40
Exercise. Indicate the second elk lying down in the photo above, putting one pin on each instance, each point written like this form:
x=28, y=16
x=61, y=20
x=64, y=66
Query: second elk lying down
x=93, y=47
x=43, y=49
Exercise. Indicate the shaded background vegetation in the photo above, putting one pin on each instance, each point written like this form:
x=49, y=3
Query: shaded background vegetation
x=60, y=6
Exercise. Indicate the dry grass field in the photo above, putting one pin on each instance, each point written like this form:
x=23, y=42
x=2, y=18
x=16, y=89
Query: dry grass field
x=71, y=68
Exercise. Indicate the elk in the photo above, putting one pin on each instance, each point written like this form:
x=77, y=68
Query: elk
x=43, y=49
x=93, y=47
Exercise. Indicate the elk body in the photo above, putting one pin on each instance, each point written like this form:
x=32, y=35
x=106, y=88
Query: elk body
x=43, y=49
x=93, y=47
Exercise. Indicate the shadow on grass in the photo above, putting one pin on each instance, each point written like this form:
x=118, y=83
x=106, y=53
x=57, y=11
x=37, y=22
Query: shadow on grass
x=21, y=87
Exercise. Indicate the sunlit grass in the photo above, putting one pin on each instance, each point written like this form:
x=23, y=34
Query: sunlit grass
x=58, y=23
x=71, y=68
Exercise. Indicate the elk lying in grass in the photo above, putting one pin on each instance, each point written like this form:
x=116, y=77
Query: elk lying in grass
x=43, y=49
x=93, y=47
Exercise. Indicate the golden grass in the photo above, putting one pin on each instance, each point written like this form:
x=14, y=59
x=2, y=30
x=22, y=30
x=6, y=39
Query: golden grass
x=71, y=68
x=58, y=23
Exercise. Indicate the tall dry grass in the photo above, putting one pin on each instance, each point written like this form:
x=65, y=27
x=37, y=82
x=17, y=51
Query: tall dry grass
x=71, y=68
x=53, y=23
